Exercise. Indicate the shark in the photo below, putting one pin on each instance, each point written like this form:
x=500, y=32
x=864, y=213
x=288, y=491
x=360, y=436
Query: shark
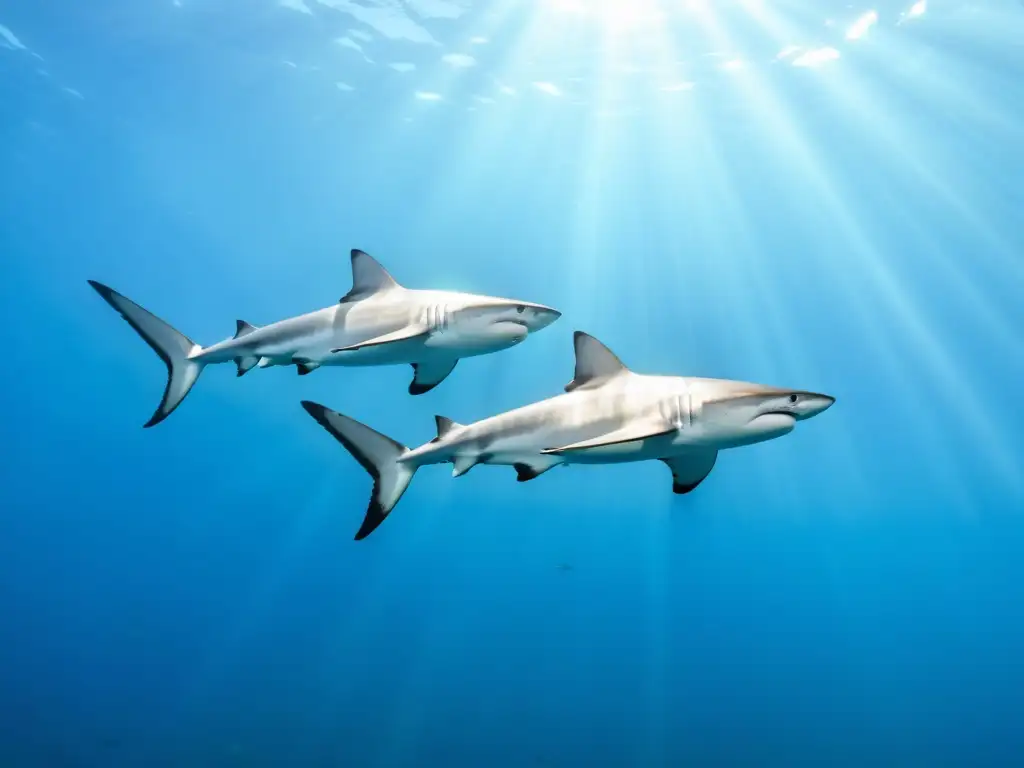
x=378, y=322
x=608, y=414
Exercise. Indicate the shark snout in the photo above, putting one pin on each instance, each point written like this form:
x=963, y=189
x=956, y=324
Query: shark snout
x=541, y=316
x=815, y=404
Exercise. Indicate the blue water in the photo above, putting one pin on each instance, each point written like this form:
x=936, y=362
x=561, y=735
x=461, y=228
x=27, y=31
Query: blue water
x=847, y=222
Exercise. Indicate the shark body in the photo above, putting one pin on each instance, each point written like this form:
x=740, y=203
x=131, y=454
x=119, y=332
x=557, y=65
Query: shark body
x=378, y=322
x=608, y=414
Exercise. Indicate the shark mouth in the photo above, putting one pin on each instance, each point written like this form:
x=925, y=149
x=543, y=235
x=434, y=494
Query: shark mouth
x=789, y=415
x=507, y=321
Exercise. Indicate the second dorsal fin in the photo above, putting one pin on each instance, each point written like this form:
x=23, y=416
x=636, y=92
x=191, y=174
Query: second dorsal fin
x=595, y=363
x=368, y=277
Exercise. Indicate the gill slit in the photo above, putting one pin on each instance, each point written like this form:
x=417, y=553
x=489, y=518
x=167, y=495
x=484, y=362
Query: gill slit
x=438, y=317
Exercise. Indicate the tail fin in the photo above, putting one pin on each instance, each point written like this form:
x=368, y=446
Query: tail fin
x=379, y=455
x=175, y=349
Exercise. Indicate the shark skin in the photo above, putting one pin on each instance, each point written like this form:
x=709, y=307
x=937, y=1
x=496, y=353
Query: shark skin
x=378, y=322
x=607, y=415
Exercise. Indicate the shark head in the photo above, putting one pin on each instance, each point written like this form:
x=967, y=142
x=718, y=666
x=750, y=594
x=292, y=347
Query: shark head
x=460, y=324
x=806, y=405
x=753, y=414
x=473, y=325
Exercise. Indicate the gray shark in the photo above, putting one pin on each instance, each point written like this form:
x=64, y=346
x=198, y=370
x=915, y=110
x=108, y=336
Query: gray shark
x=378, y=322
x=607, y=415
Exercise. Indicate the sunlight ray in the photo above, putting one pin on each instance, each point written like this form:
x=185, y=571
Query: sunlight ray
x=902, y=304
x=508, y=121
x=826, y=197
x=899, y=299
x=369, y=606
x=657, y=609
x=766, y=313
x=785, y=132
x=243, y=625
x=889, y=132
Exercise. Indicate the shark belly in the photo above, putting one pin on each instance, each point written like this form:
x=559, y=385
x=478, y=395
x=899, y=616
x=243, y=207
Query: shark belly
x=683, y=441
x=622, y=453
x=766, y=427
x=512, y=458
x=406, y=351
x=497, y=337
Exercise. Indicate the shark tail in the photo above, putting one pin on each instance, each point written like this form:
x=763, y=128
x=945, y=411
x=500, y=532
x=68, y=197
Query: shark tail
x=175, y=349
x=379, y=455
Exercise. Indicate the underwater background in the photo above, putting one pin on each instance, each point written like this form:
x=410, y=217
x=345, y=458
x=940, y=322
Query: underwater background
x=818, y=195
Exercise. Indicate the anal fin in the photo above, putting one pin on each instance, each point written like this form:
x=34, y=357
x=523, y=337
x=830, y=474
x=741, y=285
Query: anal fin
x=306, y=366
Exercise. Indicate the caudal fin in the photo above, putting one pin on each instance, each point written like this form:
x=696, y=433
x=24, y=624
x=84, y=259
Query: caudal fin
x=175, y=349
x=379, y=455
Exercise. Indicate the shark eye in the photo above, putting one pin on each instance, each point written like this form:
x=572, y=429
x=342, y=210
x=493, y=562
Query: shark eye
x=793, y=398
x=520, y=309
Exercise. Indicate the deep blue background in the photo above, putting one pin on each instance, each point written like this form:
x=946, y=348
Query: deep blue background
x=191, y=595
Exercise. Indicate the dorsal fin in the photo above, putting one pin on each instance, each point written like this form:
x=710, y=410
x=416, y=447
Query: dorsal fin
x=368, y=277
x=595, y=363
x=444, y=426
x=243, y=328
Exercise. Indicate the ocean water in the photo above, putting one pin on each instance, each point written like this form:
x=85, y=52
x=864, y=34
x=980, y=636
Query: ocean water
x=825, y=196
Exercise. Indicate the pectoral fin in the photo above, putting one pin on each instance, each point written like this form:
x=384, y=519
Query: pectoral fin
x=402, y=334
x=690, y=469
x=627, y=434
x=533, y=468
x=246, y=364
x=428, y=375
x=462, y=464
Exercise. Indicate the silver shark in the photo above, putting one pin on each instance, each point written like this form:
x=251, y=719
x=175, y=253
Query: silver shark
x=378, y=322
x=607, y=415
